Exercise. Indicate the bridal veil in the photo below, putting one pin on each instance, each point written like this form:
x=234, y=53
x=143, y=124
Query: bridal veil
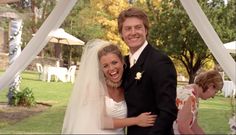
x=86, y=110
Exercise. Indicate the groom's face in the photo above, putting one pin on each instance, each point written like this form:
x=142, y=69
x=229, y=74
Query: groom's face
x=133, y=33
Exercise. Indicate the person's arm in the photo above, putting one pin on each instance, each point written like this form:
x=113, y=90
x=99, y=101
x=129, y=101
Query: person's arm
x=197, y=129
x=143, y=120
x=164, y=83
x=184, y=118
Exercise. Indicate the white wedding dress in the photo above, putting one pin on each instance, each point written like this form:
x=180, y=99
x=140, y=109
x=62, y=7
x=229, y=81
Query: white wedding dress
x=90, y=110
x=87, y=120
x=115, y=110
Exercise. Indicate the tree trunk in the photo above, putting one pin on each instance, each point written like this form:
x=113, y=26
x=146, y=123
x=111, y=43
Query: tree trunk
x=58, y=53
x=191, y=78
x=70, y=53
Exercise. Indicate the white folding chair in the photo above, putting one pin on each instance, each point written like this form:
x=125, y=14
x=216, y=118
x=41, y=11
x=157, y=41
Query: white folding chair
x=71, y=74
x=40, y=70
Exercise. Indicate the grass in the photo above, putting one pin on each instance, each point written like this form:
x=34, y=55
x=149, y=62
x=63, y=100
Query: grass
x=213, y=113
x=50, y=121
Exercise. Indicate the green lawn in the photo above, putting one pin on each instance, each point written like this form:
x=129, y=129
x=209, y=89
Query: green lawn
x=213, y=113
x=50, y=121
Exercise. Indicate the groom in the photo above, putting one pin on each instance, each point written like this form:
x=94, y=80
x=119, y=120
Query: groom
x=149, y=78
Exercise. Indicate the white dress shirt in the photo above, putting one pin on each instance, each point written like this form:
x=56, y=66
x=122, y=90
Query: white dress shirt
x=134, y=57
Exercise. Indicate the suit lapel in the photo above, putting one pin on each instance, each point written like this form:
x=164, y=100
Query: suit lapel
x=137, y=67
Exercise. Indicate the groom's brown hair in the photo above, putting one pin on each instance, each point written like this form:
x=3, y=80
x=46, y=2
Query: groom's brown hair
x=132, y=12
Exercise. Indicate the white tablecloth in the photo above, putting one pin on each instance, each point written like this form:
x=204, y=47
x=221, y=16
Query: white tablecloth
x=229, y=89
x=59, y=72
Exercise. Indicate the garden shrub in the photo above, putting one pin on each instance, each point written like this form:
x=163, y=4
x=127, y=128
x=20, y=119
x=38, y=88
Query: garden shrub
x=24, y=97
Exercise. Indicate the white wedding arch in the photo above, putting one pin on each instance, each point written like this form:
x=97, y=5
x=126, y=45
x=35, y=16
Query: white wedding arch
x=62, y=9
x=37, y=43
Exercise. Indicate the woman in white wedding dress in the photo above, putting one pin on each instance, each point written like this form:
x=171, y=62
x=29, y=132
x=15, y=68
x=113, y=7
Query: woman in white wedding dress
x=97, y=103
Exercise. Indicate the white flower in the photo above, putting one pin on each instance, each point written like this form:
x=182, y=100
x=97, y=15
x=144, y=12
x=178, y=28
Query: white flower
x=232, y=123
x=138, y=75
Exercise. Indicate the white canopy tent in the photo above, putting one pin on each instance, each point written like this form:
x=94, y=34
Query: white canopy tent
x=62, y=37
x=231, y=47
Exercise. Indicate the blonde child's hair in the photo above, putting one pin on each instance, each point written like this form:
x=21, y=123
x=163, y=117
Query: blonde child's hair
x=205, y=78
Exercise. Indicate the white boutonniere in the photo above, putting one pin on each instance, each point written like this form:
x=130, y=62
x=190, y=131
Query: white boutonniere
x=138, y=75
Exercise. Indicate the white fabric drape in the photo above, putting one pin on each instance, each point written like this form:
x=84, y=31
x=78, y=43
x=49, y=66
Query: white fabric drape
x=210, y=37
x=37, y=43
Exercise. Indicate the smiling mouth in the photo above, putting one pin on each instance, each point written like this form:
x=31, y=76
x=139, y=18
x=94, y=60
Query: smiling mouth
x=136, y=38
x=114, y=75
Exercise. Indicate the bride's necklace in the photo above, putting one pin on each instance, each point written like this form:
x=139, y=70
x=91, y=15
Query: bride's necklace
x=113, y=84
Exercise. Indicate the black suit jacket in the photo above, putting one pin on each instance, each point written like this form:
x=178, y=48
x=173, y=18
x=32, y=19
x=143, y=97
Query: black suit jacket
x=154, y=92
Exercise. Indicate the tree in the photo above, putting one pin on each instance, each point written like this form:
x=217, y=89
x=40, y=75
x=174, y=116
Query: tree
x=97, y=19
x=107, y=14
x=173, y=31
x=230, y=14
x=82, y=24
x=15, y=32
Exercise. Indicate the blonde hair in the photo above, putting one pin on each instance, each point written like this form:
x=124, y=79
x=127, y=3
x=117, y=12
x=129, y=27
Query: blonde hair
x=205, y=78
x=111, y=48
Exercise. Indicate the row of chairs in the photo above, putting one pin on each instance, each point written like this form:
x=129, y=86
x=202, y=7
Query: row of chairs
x=70, y=75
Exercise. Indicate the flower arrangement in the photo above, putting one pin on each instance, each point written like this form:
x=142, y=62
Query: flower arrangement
x=138, y=75
x=232, y=120
x=232, y=124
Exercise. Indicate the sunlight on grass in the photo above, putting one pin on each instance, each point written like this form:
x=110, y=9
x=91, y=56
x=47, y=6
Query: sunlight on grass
x=214, y=115
x=50, y=121
x=218, y=103
x=214, y=121
x=3, y=124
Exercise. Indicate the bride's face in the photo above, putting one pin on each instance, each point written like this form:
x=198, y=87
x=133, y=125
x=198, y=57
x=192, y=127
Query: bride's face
x=112, y=67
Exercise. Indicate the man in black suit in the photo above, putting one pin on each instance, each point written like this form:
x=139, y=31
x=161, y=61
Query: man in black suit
x=149, y=78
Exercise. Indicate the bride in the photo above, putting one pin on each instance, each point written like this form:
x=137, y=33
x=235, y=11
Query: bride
x=97, y=103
